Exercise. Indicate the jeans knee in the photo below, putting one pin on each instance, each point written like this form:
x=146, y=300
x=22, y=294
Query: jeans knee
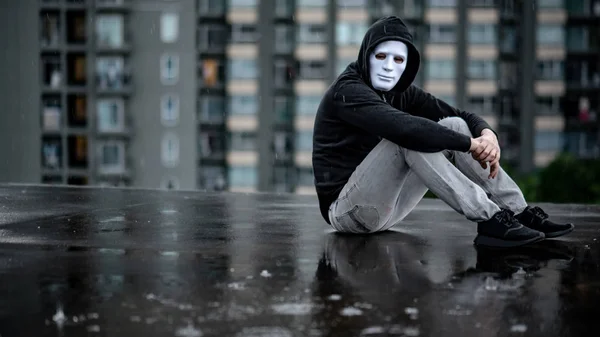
x=361, y=219
x=457, y=124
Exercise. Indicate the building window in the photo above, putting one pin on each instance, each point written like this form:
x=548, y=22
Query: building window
x=481, y=105
x=304, y=140
x=77, y=149
x=242, y=141
x=169, y=27
x=441, y=3
x=350, y=33
x=212, y=178
x=483, y=3
x=508, y=74
x=76, y=27
x=552, y=70
x=342, y=64
x=283, y=143
x=242, y=69
x=213, y=73
x=548, y=140
x=212, y=37
x=50, y=29
x=76, y=69
x=482, y=69
x=442, y=33
x=111, y=115
x=284, y=73
x=284, y=7
x=244, y=33
x=550, y=35
x=351, y=3
x=169, y=69
x=284, y=38
x=554, y=4
x=109, y=30
x=311, y=33
x=112, y=157
x=312, y=69
x=243, y=3
x=284, y=109
x=380, y=8
x=482, y=34
x=311, y=3
x=242, y=176
x=508, y=39
x=211, y=144
x=212, y=109
x=169, y=109
x=243, y=105
x=305, y=176
x=307, y=105
x=51, y=153
x=170, y=150
x=440, y=69
x=578, y=38
x=211, y=7
x=548, y=105
x=51, y=111
x=110, y=72
x=450, y=100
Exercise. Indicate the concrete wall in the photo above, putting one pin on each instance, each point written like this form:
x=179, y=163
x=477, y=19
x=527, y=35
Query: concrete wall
x=20, y=126
x=149, y=130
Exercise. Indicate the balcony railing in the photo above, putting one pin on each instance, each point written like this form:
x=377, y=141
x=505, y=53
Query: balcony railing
x=113, y=4
x=119, y=81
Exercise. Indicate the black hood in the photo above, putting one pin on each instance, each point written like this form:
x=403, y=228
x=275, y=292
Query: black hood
x=386, y=29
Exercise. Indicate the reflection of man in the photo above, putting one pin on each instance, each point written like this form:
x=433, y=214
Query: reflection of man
x=381, y=142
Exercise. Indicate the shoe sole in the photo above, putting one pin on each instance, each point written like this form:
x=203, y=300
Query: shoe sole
x=488, y=241
x=560, y=233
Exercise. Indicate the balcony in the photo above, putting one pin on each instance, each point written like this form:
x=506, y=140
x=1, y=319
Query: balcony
x=583, y=11
x=284, y=10
x=108, y=44
x=211, y=9
x=118, y=82
x=50, y=4
x=113, y=5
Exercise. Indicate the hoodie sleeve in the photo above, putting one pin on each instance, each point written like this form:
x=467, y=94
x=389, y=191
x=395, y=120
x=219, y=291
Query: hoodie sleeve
x=426, y=105
x=361, y=107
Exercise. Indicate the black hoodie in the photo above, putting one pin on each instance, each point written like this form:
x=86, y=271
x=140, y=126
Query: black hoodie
x=353, y=117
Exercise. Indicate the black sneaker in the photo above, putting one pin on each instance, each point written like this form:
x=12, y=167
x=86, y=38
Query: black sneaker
x=536, y=218
x=504, y=230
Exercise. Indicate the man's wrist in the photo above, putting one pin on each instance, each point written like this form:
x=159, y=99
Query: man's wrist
x=487, y=131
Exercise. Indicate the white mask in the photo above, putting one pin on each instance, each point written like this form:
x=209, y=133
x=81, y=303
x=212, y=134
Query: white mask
x=387, y=63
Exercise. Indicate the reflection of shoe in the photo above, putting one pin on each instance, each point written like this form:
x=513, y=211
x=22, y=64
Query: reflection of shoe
x=536, y=218
x=528, y=258
x=504, y=230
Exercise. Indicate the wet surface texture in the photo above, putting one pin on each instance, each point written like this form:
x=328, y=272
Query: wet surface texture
x=106, y=262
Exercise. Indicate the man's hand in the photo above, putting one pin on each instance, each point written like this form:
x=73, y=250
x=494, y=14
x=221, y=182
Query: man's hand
x=485, y=149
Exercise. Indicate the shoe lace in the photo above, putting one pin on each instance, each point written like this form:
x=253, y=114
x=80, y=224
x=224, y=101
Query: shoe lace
x=506, y=217
x=539, y=213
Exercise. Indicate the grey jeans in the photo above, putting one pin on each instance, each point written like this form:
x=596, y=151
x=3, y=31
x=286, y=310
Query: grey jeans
x=391, y=181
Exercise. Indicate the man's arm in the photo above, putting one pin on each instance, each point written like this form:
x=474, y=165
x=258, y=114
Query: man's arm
x=361, y=107
x=425, y=104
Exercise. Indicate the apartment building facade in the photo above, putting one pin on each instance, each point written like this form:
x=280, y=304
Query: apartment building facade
x=221, y=95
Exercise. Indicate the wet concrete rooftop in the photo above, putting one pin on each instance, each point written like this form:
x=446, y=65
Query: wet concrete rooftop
x=108, y=262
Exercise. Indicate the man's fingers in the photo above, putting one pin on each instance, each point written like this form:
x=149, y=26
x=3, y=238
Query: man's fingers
x=494, y=169
x=490, y=157
x=482, y=151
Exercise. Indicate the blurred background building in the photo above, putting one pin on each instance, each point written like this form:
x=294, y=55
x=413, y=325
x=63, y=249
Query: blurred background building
x=221, y=95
